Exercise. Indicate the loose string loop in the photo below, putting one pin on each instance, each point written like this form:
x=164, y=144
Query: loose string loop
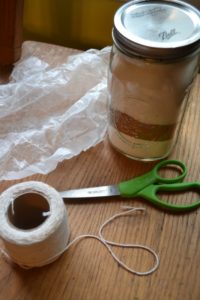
x=129, y=210
x=107, y=244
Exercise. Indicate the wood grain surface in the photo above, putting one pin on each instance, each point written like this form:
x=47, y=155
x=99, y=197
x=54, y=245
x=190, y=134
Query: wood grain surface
x=87, y=271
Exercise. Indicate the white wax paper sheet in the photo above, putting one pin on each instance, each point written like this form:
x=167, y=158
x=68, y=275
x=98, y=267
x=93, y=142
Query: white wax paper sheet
x=54, y=107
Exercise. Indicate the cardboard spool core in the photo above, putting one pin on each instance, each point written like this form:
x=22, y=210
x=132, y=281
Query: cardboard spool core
x=28, y=211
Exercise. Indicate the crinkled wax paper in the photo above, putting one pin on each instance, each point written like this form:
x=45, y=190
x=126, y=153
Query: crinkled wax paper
x=51, y=113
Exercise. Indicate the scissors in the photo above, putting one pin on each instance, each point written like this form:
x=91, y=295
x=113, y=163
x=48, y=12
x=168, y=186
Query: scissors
x=146, y=186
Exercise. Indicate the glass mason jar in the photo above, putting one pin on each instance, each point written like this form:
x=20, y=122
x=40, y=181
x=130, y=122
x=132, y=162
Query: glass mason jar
x=153, y=63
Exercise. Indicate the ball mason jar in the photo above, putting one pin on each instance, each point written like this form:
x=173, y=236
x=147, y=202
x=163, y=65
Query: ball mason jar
x=154, y=60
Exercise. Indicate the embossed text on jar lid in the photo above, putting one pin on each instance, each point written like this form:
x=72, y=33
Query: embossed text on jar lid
x=164, y=29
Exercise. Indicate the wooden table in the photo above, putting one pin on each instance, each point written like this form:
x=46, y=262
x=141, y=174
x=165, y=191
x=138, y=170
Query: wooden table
x=87, y=271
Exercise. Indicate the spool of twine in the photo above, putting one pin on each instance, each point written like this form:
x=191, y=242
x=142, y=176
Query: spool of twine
x=33, y=223
x=34, y=227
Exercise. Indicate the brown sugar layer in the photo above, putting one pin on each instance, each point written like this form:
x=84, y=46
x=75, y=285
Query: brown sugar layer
x=134, y=128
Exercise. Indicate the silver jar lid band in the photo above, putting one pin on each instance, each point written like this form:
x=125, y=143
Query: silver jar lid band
x=164, y=29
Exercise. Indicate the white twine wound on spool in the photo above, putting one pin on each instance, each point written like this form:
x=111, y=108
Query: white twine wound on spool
x=34, y=227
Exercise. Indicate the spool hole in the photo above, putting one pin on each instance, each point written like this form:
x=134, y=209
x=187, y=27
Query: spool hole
x=28, y=211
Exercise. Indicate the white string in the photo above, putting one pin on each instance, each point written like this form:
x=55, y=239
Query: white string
x=123, y=245
x=108, y=244
x=5, y=256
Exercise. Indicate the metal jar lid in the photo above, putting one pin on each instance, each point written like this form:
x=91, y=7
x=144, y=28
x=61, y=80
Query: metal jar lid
x=162, y=29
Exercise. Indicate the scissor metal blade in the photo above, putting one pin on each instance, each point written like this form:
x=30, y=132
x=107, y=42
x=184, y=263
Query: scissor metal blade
x=92, y=192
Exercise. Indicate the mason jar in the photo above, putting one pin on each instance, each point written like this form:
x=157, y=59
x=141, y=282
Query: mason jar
x=153, y=63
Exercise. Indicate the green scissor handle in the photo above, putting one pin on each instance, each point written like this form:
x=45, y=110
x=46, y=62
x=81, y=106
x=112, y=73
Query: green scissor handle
x=131, y=187
x=150, y=193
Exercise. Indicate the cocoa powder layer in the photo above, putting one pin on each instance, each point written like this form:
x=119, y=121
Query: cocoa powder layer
x=130, y=126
